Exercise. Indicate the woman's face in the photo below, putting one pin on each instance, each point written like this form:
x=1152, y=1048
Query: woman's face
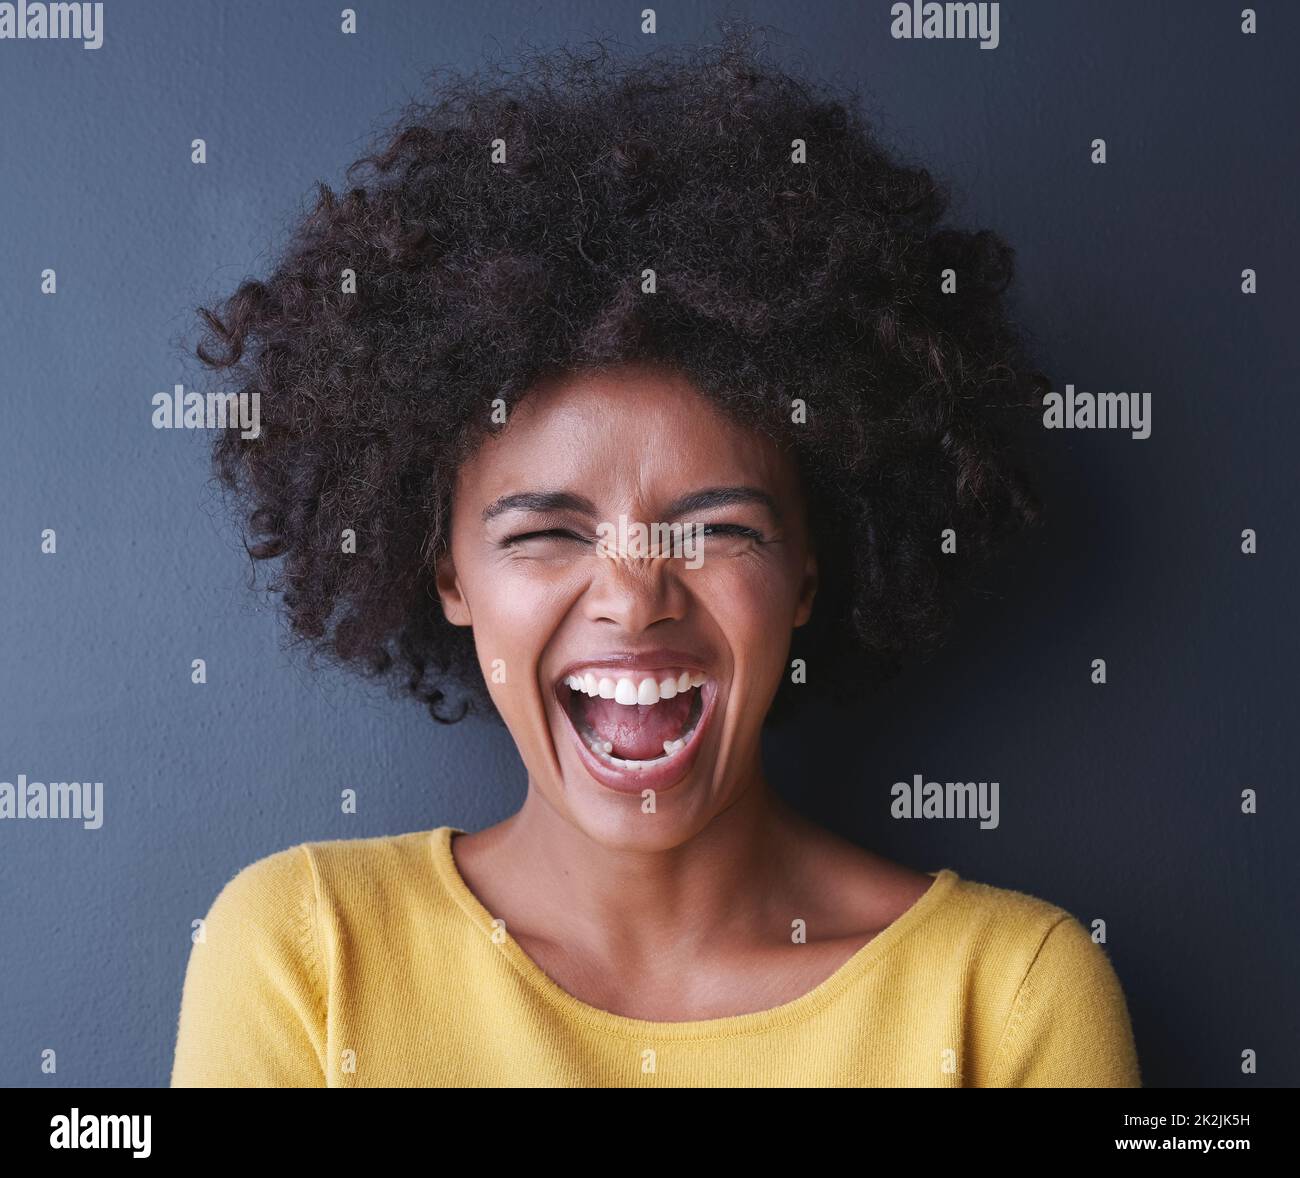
x=633, y=668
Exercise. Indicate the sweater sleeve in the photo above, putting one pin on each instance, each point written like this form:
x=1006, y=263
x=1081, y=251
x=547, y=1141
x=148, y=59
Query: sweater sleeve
x=252, y=1009
x=1069, y=1024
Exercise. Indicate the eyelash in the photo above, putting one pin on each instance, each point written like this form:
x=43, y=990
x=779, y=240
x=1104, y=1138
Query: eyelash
x=710, y=529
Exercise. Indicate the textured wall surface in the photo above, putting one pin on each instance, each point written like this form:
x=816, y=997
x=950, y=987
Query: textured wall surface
x=1120, y=802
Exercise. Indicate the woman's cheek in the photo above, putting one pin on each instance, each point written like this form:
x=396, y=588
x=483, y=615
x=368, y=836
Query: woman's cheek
x=522, y=587
x=509, y=625
x=754, y=610
x=745, y=599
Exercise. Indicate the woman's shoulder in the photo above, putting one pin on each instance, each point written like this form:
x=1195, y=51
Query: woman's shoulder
x=309, y=873
x=1010, y=947
x=1061, y=1008
x=1021, y=915
x=1019, y=930
x=939, y=905
x=261, y=956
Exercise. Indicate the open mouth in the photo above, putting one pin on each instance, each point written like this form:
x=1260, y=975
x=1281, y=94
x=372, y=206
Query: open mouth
x=636, y=727
x=635, y=720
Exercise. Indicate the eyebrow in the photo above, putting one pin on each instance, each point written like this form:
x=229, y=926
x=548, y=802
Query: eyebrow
x=542, y=501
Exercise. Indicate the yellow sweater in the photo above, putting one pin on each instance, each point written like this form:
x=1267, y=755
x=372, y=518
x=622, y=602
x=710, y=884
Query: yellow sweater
x=369, y=963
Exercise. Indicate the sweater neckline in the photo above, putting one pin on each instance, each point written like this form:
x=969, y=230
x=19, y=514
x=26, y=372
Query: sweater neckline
x=795, y=1010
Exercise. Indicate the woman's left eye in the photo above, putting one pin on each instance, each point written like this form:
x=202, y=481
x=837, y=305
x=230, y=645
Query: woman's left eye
x=732, y=530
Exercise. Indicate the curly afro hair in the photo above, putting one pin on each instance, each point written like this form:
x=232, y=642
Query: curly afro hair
x=479, y=272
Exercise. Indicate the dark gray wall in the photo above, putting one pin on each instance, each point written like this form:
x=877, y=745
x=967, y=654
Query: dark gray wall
x=1119, y=802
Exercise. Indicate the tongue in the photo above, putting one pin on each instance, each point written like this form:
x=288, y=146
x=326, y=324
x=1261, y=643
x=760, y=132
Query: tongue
x=636, y=732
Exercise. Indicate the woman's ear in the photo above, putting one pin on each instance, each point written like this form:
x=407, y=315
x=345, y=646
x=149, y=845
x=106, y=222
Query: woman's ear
x=807, y=590
x=454, y=605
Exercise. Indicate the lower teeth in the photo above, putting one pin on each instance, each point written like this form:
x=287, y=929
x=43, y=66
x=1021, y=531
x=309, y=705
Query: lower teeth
x=604, y=749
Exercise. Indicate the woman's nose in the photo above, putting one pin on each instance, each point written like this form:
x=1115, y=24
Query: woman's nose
x=635, y=592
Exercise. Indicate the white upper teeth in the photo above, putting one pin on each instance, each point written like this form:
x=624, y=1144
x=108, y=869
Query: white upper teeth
x=631, y=691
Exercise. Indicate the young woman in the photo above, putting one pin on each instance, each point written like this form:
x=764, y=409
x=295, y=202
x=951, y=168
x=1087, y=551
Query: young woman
x=632, y=405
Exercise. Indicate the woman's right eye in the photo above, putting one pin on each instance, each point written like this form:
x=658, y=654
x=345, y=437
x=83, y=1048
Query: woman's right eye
x=558, y=533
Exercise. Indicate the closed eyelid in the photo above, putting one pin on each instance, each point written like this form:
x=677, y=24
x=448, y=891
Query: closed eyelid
x=718, y=530
x=712, y=498
x=534, y=533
